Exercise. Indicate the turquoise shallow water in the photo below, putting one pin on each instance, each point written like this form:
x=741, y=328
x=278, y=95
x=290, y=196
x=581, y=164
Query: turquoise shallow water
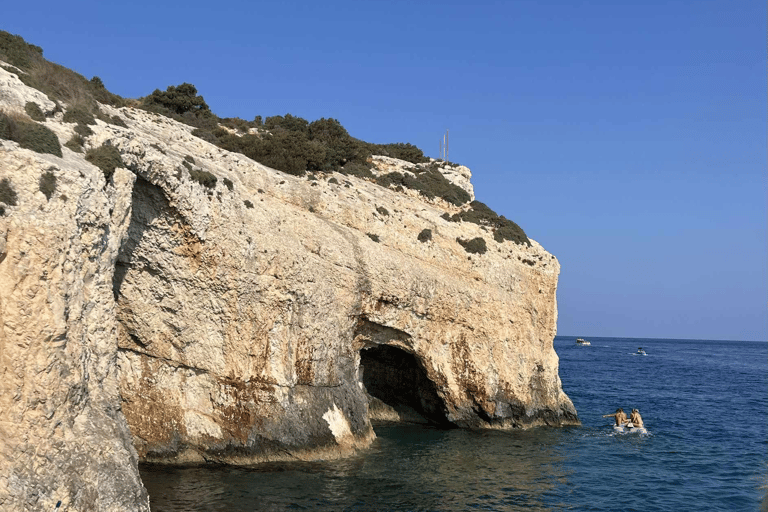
x=702, y=451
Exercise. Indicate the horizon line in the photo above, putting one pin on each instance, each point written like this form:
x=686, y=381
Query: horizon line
x=662, y=339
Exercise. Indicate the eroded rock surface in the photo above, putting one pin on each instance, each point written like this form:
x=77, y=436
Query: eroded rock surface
x=62, y=435
x=267, y=317
x=243, y=324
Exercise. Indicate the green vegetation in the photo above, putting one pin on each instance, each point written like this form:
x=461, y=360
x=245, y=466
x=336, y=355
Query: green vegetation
x=83, y=130
x=228, y=183
x=204, y=178
x=287, y=143
x=248, y=204
x=373, y=237
x=117, y=121
x=29, y=134
x=17, y=52
x=403, y=151
x=503, y=228
x=425, y=235
x=33, y=110
x=183, y=104
x=429, y=182
x=57, y=82
x=79, y=114
x=76, y=143
x=105, y=157
x=47, y=184
x=102, y=95
x=382, y=210
x=7, y=194
x=474, y=246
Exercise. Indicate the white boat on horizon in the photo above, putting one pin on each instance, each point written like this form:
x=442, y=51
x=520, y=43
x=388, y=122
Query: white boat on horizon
x=582, y=342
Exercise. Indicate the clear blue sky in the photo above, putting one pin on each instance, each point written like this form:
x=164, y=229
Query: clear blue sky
x=628, y=139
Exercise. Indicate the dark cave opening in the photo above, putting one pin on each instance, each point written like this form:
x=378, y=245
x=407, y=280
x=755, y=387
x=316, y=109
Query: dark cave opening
x=397, y=379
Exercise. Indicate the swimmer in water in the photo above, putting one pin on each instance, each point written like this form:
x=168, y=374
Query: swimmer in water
x=636, y=419
x=621, y=418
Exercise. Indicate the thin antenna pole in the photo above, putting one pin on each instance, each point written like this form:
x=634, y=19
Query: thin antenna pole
x=446, y=145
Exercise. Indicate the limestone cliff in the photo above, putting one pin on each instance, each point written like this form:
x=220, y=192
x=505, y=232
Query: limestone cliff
x=266, y=317
x=63, y=437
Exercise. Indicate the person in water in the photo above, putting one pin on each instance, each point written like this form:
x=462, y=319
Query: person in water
x=621, y=418
x=636, y=419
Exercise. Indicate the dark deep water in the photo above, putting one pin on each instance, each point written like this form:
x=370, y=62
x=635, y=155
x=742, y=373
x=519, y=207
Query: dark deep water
x=704, y=404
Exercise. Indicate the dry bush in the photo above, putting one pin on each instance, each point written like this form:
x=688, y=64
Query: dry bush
x=105, y=157
x=47, y=183
x=7, y=193
x=28, y=134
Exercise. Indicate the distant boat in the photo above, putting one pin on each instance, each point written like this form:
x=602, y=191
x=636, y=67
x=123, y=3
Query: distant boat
x=582, y=342
x=641, y=352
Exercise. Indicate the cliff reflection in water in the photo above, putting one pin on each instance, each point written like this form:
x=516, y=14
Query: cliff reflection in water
x=409, y=467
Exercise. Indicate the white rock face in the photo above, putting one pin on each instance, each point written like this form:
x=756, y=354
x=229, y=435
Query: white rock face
x=62, y=434
x=14, y=95
x=252, y=321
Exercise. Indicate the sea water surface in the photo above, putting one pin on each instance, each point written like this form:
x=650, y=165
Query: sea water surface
x=704, y=405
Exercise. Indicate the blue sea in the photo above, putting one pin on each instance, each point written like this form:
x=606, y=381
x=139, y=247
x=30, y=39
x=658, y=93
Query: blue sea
x=704, y=404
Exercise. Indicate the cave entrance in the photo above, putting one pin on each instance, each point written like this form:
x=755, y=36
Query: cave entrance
x=398, y=387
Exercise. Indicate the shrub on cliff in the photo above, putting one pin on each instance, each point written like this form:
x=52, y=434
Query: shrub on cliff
x=47, y=184
x=204, y=178
x=105, y=157
x=83, y=130
x=357, y=169
x=340, y=147
x=429, y=182
x=33, y=110
x=76, y=143
x=288, y=151
x=503, y=228
x=17, y=52
x=102, y=95
x=7, y=193
x=236, y=124
x=402, y=151
x=425, y=235
x=176, y=99
x=79, y=114
x=56, y=81
x=286, y=122
x=29, y=135
x=474, y=246
x=117, y=121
